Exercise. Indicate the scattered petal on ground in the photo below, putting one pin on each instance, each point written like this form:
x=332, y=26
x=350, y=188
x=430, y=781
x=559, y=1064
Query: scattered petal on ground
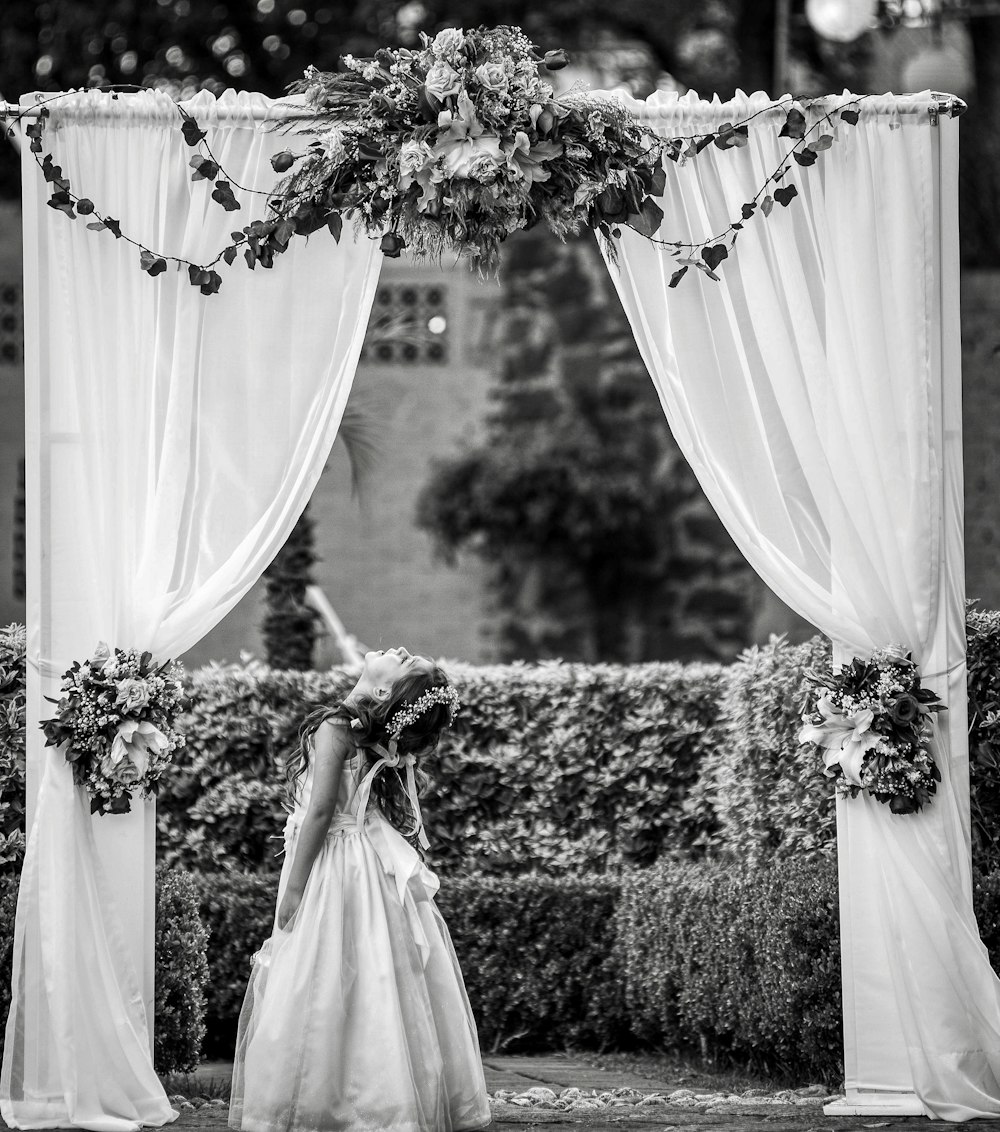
x=586, y=1100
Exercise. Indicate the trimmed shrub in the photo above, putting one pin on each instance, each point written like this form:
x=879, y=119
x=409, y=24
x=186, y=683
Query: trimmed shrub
x=8, y=906
x=736, y=961
x=549, y=767
x=181, y=968
x=12, y=701
x=181, y=973
x=537, y=955
x=768, y=794
x=983, y=632
x=237, y=910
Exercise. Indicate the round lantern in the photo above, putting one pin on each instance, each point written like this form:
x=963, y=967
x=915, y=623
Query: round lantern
x=841, y=20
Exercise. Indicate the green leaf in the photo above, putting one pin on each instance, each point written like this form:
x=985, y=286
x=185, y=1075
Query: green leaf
x=824, y=141
x=205, y=169
x=648, y=219
x=784, y=195
x=335, y=222
x=658, y=181
x=677, y=276
x=283, y=233
x=61, y=202
x=714, y=255
x=850, y=117
x=192, y=135
x=230, y=254
x=805, y=156
x=84, y=206
x=766, y=205
x=748, y=209
x=212, y=284
x=795, y=125
x=223, y=194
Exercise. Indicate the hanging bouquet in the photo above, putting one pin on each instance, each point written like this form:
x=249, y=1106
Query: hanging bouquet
x=115, y=723
x=874, y=722
x=461, y=143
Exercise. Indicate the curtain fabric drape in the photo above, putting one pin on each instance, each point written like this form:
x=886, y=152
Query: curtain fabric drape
x=173, y=441
x=815, y=391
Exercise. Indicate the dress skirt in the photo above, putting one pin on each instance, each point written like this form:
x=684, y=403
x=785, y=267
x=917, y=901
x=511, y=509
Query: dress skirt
x=356, y=1016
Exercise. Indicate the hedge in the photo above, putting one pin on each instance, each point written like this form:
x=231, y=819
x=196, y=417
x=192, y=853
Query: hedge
x=537, y=955
x=549, y=766
x=736, y=962
x=12, y=701
x=741, y=961
x=180, y=975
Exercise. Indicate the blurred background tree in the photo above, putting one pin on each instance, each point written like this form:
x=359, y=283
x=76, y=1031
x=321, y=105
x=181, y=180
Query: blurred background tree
x=600, y=541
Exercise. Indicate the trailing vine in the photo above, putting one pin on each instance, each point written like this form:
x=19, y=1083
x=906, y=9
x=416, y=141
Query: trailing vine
x=362, y=121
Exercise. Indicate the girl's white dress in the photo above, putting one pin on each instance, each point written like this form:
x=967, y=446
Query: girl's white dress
x=356, y=1016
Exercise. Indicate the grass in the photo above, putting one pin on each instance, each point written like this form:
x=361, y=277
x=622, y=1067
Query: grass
x=188, y=1085
x=691, y=1073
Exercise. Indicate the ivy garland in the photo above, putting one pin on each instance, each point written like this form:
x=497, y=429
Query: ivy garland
x=618, y=165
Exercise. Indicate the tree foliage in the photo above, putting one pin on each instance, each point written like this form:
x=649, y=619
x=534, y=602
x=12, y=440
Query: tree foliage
x=289, y=627
x=602, y=545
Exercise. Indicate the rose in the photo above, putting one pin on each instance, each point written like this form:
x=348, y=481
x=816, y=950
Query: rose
x=904, y=709
x=391, y=244
x=132, y=695
x=448, y=43
x=492, y=77
x=124, y=771
x=442, y=81
x=555, y=60
x=333, y=146
x=413, y=156
x=468, y=156
x=101, y=654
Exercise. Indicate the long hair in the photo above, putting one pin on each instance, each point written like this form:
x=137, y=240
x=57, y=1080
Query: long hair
x=418, y=738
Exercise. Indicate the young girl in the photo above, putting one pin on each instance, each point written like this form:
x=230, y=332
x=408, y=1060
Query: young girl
x=356, y=1015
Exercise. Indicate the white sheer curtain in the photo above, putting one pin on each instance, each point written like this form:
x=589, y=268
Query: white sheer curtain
x=173, y=440
x=816, y=392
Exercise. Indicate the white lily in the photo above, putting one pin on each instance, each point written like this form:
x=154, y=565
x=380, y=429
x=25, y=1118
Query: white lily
x=135, y=741
x=846, y=738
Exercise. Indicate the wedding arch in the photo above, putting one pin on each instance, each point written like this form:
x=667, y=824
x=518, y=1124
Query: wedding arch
x=175, y=432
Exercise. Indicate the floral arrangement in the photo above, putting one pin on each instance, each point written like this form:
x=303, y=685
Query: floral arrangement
x=115, y=723
x=443, y=694
x=874, y=721
x=461, y=143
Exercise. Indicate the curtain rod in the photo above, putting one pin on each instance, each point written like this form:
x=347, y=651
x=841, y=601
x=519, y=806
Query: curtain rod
x=274, y=113
x=661, y=111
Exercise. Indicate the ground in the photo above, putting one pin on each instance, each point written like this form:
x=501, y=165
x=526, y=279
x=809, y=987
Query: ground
x=797, y=1112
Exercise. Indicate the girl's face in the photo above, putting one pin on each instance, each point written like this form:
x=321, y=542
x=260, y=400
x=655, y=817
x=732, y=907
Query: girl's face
x=383, y=668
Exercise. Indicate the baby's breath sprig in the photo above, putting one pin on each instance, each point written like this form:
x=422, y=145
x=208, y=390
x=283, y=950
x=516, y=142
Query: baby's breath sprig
x=442, y=694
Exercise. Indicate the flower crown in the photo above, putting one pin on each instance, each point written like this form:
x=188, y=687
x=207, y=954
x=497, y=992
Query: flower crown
x=442, y=694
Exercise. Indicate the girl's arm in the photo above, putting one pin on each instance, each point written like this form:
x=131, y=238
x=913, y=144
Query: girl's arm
x=331, y=746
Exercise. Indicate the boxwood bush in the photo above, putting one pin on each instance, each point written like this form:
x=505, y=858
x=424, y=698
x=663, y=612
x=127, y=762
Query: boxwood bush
x=740, y=962
x=181, y=969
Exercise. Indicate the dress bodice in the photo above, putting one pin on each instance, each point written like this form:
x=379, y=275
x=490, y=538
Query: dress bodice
x=347, y=794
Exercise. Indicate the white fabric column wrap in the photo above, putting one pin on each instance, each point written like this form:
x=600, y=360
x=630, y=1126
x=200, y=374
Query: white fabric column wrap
x=816, y=392
x=173, y=440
